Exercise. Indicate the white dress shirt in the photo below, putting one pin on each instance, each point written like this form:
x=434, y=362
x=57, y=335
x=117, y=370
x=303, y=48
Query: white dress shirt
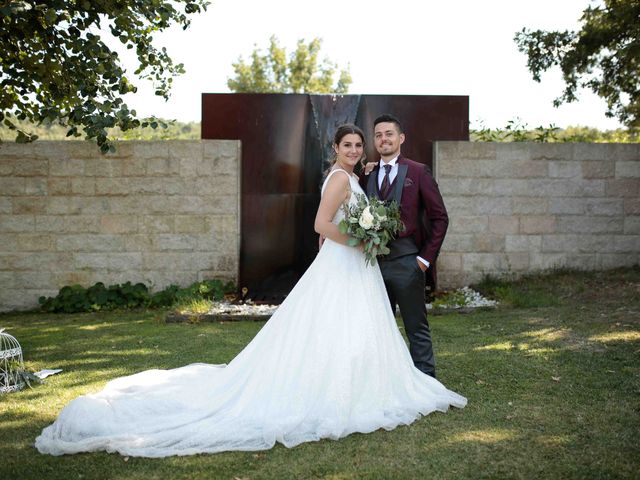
x=392, y=176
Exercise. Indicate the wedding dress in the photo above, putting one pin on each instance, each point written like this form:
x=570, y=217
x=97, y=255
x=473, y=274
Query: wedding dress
x=330, y=362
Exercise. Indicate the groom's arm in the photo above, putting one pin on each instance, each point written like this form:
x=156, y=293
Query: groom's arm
x=436, y=216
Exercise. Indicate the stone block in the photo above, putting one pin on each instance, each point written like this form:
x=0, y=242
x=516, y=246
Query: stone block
x=503, y=224
x=82, y=149
x=589, y=224
x=63, y=206
x=168, y=242
x=163, y=166
x=76, y=277
x=192, y=224
x=6, y=205
x=134, y=167
x=180, y=149
x=514, y=151
x=449, y=261
x=594, y=151
x=59, y=186
x=220, y=148
x=8, y=243
x=171, y=261
x=551, y=151
x=138, y=242
x=28, y=242
x=177, y=186
x=632, y=224
x=632, y=206
x=468, y=224
x=604, y=206
x=561, y=187
x=223, y=224
x=81, y=224
x=146, y=150
x=458, y=243
x=479, y=205
x=67, y=167
x=568, y=205
x=489, y=243
x=113, y=186
x=6, y=165
x=587, y=261
x=156, y=224
x=538, y=224
x=146, y=185
x=17, y=223
x=32, y=280
x=50, y=223
x=119, y=223
x=484, y=262
x=31, y=167
x=626, y=243
x=627, y=169
x=106, y=167
x=616, y=260
x=35, y=186
x=594, y=169
x=6, y=280
x=581, y=243
x=565, y=169
x=83, y=186
x=523, y=243
x=33, y=261
x=529, y=205
x=13, y=150
x=452, y=150
x=189, y=166
x=627, y=151
x=90, y=243
x=623, y=187
x=546, y=261
x=108, y=261
x=12, y=185
x=518, y=262
x=29, y=205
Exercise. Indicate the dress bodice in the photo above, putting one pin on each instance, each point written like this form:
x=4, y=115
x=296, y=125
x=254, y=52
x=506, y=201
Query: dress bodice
x=354, y=188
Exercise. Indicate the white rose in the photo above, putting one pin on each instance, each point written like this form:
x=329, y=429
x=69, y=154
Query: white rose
x=366, y=219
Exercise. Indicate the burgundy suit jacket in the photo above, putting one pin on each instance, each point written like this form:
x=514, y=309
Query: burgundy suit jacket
x=422, y=209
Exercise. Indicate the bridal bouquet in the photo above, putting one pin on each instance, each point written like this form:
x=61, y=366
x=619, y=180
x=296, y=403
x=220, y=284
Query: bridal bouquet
x=374, y=223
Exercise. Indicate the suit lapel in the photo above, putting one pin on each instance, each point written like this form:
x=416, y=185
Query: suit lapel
x=399, y=181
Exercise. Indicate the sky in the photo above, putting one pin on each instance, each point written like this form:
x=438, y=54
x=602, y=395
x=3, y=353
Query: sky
x=413, y=47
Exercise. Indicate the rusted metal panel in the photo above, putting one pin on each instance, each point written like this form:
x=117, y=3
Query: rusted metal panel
x=286, y=140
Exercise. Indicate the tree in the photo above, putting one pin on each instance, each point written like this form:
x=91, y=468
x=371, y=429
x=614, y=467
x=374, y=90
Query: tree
x=272, y=73
x=55, y=67
x=603, y=56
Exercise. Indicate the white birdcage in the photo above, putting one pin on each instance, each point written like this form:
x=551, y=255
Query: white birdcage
x=11, y=364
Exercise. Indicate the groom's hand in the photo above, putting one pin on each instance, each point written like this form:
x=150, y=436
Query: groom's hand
x=368, y=168
x=422, y=266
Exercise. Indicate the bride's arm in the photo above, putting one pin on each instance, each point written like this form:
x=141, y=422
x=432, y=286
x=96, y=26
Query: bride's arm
x=335, y=193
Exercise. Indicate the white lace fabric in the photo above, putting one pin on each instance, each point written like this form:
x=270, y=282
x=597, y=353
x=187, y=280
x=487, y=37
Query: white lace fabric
x=330, y=362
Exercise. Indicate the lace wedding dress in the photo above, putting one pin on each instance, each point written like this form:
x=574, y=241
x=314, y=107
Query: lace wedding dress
x=329, y=362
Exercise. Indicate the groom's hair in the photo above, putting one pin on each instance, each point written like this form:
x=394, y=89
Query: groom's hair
x=388, y=118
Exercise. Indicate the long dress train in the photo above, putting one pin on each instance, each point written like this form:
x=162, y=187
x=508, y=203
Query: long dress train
x=330, y=361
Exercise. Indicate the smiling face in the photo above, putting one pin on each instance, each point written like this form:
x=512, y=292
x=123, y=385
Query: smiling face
x=387, y=140
x=349, y=151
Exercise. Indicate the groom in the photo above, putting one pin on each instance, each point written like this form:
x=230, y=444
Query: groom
x=416, y=248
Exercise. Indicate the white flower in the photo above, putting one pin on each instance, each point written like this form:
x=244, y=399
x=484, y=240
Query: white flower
x=366, y=218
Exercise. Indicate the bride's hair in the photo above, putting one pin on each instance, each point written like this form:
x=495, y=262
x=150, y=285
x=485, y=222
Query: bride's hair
x=346, y=129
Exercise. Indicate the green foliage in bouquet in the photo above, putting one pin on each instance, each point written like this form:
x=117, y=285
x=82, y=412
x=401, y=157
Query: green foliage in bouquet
x=373, y=223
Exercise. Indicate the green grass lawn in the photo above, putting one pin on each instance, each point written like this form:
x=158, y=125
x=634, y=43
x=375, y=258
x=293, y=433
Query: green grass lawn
x=552, y=377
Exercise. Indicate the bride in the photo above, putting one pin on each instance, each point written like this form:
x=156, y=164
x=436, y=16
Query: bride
x=330, y=362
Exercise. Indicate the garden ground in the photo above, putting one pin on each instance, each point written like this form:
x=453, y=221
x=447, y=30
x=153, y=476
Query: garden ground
x=552, y=377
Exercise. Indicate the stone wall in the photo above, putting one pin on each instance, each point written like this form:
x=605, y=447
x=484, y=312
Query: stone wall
x=522, y=207
x=154, y=212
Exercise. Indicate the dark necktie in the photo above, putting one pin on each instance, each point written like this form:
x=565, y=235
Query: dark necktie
x=386, y=184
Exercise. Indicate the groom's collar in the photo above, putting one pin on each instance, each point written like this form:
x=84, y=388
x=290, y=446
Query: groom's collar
x=391, y=162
